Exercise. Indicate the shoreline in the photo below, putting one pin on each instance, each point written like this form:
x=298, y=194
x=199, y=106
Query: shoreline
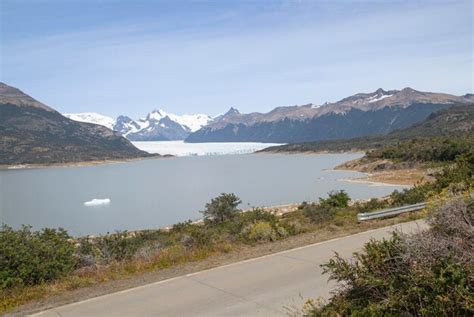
x=10, y=167
x=385, y=178
x=311, y=152
x=7, y=167
x=366, y=180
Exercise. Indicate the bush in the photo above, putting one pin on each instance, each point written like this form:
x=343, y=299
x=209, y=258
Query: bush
x=436, y=149
x=197, y=236
x=32, y=257
x=319, y=213
x=425, y=274
x=116, y=247
x=243, y=219
x=336, y=199
x=410, y=196
x=119, y=246
x=258, y=214
x=372, y=204
x=260, y=231
x=221, y=208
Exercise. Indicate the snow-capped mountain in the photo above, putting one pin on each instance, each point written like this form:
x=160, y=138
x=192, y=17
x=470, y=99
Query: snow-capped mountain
x=362, y=114
x=191, y=122
x=92, y=117
x=158, y=125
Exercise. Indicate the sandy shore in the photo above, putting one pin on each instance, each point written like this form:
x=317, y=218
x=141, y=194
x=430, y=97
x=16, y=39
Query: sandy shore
x=384, y=173
x=368, y=180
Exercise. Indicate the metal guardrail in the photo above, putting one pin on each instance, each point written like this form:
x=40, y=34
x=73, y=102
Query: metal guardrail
x=389, y=212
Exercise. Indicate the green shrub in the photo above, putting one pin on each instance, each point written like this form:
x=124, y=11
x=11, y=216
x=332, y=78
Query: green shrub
x=258, y=214
x=372, y=204
x=31, y=257
x=410, y=196
x=336, y=199
x=435, y=149
x=239, y=221
x=319, y=213
x=425, y=274
x=221, y=208
x=282, y=232
x=457, y=177
x=181, y=226
x=259, y=231
x=198, y=236
x=119, y=246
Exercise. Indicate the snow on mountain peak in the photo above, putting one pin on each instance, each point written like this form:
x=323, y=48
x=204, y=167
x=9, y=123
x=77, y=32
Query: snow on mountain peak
x=191, y=122
x=378, y=98
x=92, y=117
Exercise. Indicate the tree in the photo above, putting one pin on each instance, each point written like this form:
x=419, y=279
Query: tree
x=222, y=208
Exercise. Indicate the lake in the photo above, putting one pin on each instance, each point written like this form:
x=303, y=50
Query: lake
x=157, y=192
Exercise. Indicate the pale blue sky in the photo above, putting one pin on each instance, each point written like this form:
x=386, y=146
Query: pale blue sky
x=129, y=57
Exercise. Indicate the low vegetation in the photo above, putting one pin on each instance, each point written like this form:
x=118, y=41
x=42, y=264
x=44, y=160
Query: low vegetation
x=32, y=257
x=426, y=274
x=456, y=177
x=437, y=149
x=37, y=264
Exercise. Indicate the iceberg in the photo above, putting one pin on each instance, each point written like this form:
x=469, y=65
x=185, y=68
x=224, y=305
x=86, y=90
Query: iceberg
x=97, y=202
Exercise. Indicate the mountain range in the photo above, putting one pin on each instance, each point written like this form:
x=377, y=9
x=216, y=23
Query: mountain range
x=158, y=125
x=456, y=121
x=33, y=133
x=360, y=115
x=363, y=114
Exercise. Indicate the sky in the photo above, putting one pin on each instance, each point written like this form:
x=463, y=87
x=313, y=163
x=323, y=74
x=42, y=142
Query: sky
x=119, y=57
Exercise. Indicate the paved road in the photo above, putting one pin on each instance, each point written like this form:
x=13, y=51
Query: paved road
x=257, y=287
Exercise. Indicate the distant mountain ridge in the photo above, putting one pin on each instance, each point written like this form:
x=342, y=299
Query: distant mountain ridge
x=362, y=114
x=359, y=115
x=158, y=125
x=33, y=133
x=453, y=121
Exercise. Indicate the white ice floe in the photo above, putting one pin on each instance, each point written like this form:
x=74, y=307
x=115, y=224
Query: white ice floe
x=97, y=202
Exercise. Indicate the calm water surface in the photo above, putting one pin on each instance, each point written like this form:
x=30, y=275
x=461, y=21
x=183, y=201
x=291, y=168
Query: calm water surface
x=158, y=192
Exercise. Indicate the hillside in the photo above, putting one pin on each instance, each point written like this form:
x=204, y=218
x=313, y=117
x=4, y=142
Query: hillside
x=33, y=133
x=457, y=120
x=364, y=114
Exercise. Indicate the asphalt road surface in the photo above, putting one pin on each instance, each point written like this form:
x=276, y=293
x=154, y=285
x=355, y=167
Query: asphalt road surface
x=265, y=286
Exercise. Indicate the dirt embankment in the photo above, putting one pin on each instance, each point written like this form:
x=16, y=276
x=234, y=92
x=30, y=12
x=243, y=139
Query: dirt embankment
x=387, y=171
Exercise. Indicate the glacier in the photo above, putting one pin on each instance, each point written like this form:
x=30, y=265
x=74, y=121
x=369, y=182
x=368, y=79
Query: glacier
x=181, y=148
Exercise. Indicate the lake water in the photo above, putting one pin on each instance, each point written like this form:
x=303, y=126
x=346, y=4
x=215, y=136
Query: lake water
x=158, y=192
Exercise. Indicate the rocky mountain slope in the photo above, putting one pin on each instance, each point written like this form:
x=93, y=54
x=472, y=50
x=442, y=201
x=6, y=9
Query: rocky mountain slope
x=453, y=121
x=158, y=125
x=33, y=133
x=359, y=115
